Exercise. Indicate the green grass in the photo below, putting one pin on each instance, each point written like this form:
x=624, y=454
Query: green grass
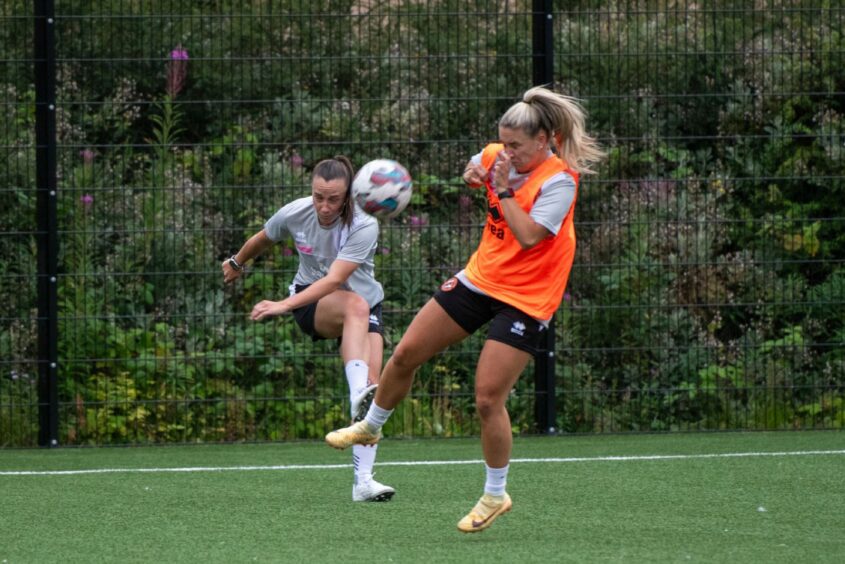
x=741, y=509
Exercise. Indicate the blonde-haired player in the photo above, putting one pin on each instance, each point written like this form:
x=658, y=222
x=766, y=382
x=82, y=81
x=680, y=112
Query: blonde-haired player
x=515, y=280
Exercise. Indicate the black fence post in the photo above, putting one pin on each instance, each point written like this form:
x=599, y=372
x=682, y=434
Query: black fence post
x=545, y=411
x=543, y=43
x=46, y=212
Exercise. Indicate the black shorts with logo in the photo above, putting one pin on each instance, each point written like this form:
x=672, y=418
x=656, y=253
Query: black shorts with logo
x=305, y=317
x=471, y=310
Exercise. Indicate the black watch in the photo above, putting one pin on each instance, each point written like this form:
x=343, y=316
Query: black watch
x=233, y=262
x=506, y=193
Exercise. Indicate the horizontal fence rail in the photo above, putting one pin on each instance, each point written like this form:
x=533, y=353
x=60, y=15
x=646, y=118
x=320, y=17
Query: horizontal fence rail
x=143, y=142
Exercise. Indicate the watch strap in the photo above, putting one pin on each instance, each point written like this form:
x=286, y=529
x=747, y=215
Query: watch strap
x=506, y=193
x=233, y=262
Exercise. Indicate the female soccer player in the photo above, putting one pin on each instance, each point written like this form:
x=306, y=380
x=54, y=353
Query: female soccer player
x=515, y=280
x=334, y=293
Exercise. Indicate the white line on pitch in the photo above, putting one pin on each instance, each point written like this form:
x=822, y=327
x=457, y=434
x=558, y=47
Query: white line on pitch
x=414, y=463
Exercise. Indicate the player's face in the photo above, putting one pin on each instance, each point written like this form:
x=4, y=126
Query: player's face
x=526, y=152
x=328, y=196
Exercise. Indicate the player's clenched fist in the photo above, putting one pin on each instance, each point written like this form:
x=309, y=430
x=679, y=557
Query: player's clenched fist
x=474, y=175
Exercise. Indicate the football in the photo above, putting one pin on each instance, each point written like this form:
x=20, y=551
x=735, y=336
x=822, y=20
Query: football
x=382, y=188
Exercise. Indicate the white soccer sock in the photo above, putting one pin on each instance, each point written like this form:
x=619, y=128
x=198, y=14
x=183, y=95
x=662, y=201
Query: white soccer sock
x=363, y=459
x=497, y=479
x=377, y=417
x=357, y=373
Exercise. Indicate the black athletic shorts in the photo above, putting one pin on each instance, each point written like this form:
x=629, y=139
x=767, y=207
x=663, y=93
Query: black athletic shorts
x=471, y=310
x=305, y=317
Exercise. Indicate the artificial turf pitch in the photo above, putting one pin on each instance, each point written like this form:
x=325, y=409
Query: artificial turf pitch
x=780, y=499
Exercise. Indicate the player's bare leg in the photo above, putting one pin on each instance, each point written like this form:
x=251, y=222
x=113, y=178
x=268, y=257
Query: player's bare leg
x=347, y=315
x=431, y=331
x=498, y=369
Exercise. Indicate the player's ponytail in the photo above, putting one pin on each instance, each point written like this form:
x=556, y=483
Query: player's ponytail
x=562, y=118
x=339, y=167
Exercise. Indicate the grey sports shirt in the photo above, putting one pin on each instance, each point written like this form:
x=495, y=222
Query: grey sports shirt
x=319, y=246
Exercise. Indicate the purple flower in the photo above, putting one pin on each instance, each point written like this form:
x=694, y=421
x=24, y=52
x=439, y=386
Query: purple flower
x=567, y=297
x=87, y=156
x=179, y=54
x=296, y=160
x=464, y=202
x=87, y=200
x=177, y=71
x=417, y=222
x=385, y=251
x=287, y=251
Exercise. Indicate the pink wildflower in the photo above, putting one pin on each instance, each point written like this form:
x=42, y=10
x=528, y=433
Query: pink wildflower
x=177, y=71
x=417, y=222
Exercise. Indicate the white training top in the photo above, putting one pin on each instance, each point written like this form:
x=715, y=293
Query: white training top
x=320, y=246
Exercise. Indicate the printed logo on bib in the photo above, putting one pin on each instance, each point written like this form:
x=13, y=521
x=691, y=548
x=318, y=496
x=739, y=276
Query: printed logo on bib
x=495, y=217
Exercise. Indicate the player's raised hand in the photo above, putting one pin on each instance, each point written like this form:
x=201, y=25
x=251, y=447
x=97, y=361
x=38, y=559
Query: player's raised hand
x=267, y=308
x=501, y=171
x=474, y=175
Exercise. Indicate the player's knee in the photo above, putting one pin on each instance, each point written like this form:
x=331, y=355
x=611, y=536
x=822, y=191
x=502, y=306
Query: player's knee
x=357, y=307
x=486, y=404
x=403, y=358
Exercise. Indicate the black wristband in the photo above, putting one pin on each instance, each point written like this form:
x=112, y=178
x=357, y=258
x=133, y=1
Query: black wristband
x=233, y=262
x=506, y=193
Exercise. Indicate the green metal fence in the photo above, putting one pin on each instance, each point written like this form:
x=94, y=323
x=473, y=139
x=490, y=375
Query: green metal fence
x=143, y=142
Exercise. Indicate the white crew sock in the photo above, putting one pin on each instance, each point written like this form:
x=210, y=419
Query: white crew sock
x=357, y=373
x=363, y=459
x=377, y=417
x=497, y=479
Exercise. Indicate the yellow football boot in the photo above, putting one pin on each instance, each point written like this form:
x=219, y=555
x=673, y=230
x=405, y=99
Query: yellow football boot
x=485, y=512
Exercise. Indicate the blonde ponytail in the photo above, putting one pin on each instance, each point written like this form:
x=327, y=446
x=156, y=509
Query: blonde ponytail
x=563, y=119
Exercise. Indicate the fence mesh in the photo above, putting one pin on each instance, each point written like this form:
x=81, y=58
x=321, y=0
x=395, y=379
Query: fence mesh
x=708, y=286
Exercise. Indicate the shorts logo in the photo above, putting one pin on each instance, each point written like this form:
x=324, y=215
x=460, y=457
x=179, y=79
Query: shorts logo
x=449, y=284
x=518, y=327
x=374, y=320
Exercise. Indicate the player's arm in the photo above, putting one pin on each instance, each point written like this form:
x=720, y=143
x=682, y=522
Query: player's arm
x=527, y=232
x=339, y=272
x=254, y=246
